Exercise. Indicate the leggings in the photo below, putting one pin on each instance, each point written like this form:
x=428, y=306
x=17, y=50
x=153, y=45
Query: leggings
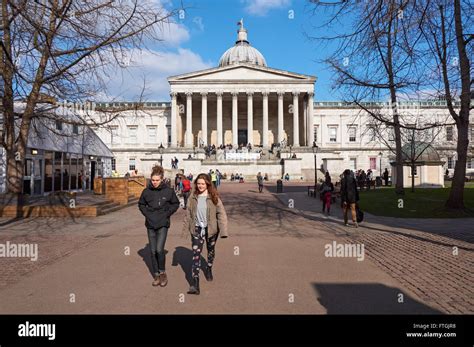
x=198, y=245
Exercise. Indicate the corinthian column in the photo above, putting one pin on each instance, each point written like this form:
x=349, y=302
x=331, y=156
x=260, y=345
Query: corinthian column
x=265, y=120
x=250, y=117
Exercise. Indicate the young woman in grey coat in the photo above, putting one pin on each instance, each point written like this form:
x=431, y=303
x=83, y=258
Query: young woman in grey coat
x=205, y=219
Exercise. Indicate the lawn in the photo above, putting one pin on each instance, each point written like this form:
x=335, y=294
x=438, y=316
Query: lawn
x=423, y=203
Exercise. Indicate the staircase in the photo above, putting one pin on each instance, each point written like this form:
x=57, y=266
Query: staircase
x=109, y=206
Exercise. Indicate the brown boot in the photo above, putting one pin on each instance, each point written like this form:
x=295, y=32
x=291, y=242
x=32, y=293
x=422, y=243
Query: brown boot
x=156, y=281
x=163, y=279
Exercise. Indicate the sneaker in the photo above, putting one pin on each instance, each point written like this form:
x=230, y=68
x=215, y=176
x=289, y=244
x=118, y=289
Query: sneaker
x=163, y=279
x=156, y=281
x=346, y=224
x=356, y=225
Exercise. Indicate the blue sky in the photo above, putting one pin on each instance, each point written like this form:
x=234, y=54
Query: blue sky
x=209, y=27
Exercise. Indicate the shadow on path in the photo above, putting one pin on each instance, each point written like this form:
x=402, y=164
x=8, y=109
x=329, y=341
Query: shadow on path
x=367, y=298
x=145, y=253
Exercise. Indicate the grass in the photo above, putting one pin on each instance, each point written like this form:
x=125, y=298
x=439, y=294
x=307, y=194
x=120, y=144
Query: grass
x=423, y=203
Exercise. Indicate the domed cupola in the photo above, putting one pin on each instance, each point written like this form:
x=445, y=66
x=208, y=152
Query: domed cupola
x=242, y=52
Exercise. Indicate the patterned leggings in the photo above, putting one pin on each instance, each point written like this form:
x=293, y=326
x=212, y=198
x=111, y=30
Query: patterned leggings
x=198, y=245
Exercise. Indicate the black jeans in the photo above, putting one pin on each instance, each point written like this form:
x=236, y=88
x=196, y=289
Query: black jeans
x=156, y=240
x=186, y=197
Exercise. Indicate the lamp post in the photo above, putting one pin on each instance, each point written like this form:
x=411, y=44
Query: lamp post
x=160, y=150
x=380, y=163
x=315, y=150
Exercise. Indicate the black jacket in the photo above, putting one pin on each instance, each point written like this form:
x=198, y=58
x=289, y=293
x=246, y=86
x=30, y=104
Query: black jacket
x=349, y=193
x=157, y=205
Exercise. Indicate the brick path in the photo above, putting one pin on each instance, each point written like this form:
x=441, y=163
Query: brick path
x=416, y=252
x=281, y=253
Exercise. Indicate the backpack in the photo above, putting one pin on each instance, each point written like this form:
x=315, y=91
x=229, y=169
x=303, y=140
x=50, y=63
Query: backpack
x=186, y=186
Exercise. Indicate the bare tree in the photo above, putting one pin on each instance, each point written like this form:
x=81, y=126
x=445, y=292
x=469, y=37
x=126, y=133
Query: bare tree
x=449, y=32
x=64, y=49
x=376, y=60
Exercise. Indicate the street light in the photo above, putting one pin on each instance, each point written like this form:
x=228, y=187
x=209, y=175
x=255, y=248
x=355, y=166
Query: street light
x=160, y=150
x=315, y=150
x=380, y=163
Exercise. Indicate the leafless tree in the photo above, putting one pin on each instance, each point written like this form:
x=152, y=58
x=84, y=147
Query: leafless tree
x=376, y=59
x=448, y=30
x=54, y=50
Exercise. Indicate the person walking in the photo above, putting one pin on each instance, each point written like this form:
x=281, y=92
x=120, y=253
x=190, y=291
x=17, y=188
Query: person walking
x=157, y=203
x=206, y=219
x=385, y=176
x=214, y=179
x=186, y=184
x=349, y=196
x=325, y=191
x=260, y=182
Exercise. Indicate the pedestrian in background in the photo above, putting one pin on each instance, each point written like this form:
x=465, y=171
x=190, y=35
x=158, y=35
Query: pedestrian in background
x=349, y=196
x=260, y=182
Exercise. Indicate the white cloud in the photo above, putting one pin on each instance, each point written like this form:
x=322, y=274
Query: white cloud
x=262, y=7
x=155, y=67
x=173, y=34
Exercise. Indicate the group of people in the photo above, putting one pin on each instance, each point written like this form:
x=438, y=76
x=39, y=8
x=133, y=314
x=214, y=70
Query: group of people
x=364, y=178
x=174, y=163
x=205, y=221
x=349, y=195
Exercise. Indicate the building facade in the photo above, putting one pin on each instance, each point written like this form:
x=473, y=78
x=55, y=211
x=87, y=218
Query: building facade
x=243, y=101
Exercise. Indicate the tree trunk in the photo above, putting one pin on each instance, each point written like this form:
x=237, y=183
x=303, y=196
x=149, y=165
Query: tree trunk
x=412, y=177
x=456, y=195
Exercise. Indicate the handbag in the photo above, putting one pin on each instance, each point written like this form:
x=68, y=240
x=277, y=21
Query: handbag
x=359, y=214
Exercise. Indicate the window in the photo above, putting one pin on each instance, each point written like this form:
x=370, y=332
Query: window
x=352, y=134
x=371, y=133
x=315, y=131
x=450, y=163
x=151, y=134
x=391, y=134
x=114, y=164
x=353, y=164
x=449, y=133
x=332, y=134
x=373, y=163
x=470, y=163
x=59, y=125
x=75, y=129
x=132, y=132
x=131, y=164
x=115, y=134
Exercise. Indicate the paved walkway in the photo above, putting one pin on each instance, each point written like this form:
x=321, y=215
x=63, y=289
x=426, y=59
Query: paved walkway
x=273, y=262
x=419, y=253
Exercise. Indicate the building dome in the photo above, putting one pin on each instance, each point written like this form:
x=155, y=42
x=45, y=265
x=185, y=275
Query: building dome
x=413, y=150
x=242, y=52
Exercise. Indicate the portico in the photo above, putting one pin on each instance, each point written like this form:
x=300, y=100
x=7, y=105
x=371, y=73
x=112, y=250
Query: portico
x=241, y=99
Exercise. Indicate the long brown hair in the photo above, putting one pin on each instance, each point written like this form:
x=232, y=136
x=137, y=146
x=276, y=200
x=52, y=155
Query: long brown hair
x=210, y=187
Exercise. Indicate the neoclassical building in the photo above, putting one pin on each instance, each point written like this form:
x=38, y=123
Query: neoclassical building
x=242, y=101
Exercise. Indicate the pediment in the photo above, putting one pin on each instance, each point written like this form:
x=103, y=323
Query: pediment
x=242, y=72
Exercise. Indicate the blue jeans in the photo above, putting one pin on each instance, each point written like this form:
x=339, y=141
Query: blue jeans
x=156, y=240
